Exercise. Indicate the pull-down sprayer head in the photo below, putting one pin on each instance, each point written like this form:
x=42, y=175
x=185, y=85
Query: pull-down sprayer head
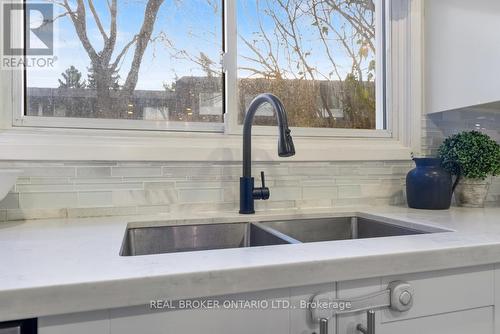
x=285, y=144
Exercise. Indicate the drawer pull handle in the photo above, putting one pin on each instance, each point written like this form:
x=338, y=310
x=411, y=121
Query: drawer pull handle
x=370, y=323
x=323, y=326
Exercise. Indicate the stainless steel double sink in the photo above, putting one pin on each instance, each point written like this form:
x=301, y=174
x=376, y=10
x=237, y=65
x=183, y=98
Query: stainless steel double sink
x=199, y=237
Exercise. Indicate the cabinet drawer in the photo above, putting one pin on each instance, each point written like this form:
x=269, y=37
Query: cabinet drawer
x=95, y=322
x=476, y=321
x=446, y=291
x=143, y=320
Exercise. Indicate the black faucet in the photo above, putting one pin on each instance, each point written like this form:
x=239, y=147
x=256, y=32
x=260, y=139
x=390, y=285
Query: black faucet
x=248, y=192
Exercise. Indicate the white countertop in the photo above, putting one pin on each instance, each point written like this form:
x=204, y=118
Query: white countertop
x=63, y=266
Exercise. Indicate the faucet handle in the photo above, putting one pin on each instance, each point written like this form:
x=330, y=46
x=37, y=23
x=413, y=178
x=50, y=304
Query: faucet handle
x=263, y=192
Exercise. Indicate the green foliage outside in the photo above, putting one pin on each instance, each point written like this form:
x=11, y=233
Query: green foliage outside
x=91, y=78
x=311, y=103
x=471, y=154
x=72, y=78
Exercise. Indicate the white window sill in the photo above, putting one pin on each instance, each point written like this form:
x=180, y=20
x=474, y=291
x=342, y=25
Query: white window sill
x=102, y=145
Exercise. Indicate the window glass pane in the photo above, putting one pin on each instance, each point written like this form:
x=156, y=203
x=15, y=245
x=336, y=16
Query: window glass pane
x=160, y=62
x=317, y=56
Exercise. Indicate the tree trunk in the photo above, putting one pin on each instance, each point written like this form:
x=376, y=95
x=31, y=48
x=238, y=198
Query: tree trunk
x=103, y=82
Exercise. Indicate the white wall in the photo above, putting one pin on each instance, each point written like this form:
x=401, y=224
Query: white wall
x=462, y=56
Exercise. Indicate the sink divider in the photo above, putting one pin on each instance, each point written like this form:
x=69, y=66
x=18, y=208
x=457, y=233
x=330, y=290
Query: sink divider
x=277, y=234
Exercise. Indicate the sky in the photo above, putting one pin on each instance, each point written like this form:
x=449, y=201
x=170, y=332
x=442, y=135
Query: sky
x=191, y=25
x=194, y=19
x=249, y=21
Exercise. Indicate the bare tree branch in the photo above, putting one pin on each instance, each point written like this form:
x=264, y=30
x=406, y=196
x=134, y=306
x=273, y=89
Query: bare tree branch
x=363, y=29
x=97, y=19
x=323, y=39
x=122, y=53
x=150, y=14
x=79, y=21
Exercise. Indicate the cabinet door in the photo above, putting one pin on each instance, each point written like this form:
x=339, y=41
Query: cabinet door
x=283, y=311
x=475, y=321
x=461, y=40
x=227, y=319
x=96, y=322
x=449, y=301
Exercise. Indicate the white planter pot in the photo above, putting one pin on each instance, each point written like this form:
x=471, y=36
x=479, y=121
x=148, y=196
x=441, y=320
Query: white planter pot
x=472, y=193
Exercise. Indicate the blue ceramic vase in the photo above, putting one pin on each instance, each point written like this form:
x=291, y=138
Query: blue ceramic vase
x=429, y=186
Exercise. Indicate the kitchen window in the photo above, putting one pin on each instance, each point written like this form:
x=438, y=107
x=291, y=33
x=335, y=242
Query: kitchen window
x=318, y=56
x=139, y=64
x=348, y=72
x=164, y=65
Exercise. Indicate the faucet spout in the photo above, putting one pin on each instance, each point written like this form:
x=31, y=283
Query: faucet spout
x=286, y=148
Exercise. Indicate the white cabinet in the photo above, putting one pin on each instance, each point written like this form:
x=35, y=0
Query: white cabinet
x=96, y=322
x=458, y=301
x=281, y=312
x=453, y=301
x=278, y=312
x=462, y=46
x=473, y=321
x=225, y=319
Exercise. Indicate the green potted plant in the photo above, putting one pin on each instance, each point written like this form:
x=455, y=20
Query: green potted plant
x=474, y=157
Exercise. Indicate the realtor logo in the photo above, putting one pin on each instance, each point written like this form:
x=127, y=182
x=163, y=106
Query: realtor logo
x=32, y=46
x=39, y=29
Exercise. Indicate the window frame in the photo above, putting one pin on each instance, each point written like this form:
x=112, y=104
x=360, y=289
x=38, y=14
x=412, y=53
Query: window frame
x=403, y=103
x=383, y=117
x=22, y=120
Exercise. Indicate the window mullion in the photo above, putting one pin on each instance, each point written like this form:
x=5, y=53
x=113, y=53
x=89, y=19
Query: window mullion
x=381, y=68
x=230, y=66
